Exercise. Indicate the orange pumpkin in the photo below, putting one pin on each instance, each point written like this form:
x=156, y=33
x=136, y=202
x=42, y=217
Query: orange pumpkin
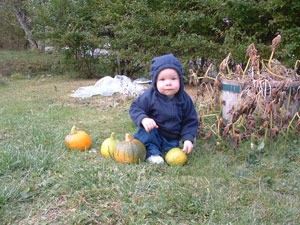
x=78, y=140
x=130, y=150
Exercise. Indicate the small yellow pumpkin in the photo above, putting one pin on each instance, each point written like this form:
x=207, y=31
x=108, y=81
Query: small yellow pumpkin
x=176, y=157
x=108, y=146
x=78, y=140
x=130, y=150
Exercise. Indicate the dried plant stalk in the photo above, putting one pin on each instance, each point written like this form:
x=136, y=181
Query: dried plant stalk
x=275, y=42
x=254, y=57
x=224, y=68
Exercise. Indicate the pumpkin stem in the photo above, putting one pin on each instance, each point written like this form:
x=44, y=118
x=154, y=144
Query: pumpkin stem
x=128, y=137
x=73, y=130
x=112, y=135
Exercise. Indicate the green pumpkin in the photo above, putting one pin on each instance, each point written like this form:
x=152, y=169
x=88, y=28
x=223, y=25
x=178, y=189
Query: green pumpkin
x=130, y=150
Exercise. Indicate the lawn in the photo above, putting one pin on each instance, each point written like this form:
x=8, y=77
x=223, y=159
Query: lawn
x=41, y=182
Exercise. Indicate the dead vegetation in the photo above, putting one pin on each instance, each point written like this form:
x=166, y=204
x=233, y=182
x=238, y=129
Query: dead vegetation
x=262, y=101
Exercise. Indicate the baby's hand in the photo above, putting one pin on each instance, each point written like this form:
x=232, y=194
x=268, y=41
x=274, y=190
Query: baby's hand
x=187, y=146
x=149, y=124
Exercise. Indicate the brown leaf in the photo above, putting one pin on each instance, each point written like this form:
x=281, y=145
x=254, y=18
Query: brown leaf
x=227, y=129
x=208, y=136
x=239, y=70
x=274, y=132
x=265, y=124
x=268, y=108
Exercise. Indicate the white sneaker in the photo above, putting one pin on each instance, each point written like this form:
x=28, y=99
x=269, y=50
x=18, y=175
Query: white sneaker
x=155, y=159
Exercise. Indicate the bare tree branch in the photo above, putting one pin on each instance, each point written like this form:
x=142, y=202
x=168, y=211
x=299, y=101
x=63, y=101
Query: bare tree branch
x=22, y=20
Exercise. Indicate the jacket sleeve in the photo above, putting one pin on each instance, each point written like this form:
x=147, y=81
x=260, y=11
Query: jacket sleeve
x=139, y=109
x=190, y=120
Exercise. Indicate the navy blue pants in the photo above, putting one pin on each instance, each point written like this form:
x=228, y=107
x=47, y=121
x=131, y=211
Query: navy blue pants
x=154, y=142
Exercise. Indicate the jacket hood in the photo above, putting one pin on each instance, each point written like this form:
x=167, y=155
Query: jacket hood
x=162, y=62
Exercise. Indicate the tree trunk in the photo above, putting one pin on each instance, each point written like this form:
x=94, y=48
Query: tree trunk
x=25, y=27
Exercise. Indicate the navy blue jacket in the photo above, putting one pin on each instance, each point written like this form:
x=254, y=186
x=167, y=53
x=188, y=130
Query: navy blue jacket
x=176, y=117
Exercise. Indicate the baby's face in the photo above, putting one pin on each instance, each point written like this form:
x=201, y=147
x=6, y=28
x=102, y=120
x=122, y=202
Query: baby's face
x=168, y=82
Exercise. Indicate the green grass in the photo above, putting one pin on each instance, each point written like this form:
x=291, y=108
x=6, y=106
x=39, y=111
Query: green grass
x=41, y=182
x=24, y=64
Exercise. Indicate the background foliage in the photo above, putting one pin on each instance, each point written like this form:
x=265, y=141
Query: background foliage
x=135, y=31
